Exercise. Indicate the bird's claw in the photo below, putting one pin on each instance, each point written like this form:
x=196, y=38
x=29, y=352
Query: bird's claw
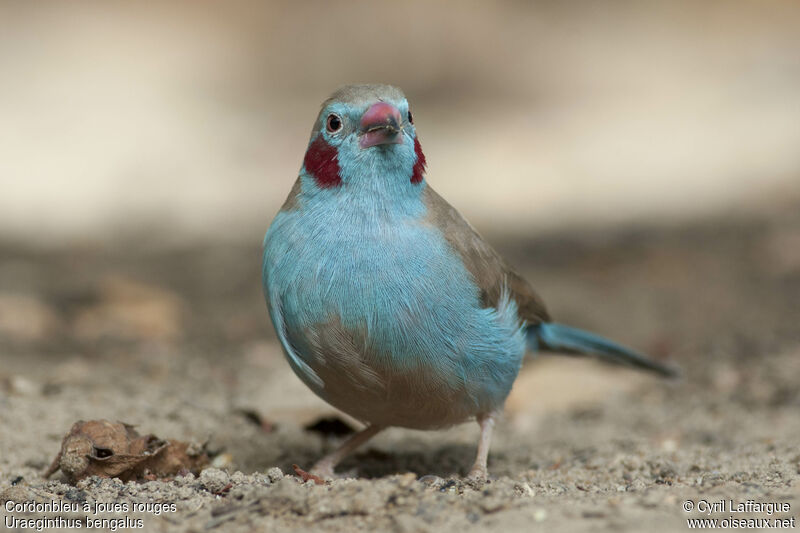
x=478, y=473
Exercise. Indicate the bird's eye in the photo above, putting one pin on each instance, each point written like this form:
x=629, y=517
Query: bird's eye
x=410, y=118
x=333, y=123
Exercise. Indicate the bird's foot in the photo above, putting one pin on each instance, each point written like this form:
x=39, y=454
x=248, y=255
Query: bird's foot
x=478, y=473
x=324, y=467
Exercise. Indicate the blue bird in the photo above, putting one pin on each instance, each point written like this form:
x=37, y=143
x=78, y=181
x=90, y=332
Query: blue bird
x=386, y=302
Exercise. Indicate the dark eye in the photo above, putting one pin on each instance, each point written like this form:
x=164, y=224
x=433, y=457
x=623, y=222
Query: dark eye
x=333, y=123
x=410, y=118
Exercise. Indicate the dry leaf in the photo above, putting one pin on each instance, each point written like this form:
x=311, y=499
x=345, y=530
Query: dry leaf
x=115, y=449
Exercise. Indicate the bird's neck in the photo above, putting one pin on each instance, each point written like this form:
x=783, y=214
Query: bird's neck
x=365, y=198
x=374, y=185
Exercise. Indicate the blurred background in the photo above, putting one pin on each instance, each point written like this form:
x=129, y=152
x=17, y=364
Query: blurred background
x=638, y=161
x=192, y=117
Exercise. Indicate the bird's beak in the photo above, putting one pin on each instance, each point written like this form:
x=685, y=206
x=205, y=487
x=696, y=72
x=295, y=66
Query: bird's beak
x=380, y=124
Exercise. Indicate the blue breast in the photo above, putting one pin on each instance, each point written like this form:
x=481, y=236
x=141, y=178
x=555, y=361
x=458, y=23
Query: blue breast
x=392, y=280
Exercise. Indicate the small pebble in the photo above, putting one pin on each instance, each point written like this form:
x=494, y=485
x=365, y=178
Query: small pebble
x=274, y=474
x=214, y=480
x=406, y=480
x=185, y=479
x=526, y=490
x=23, y=386
x=223, y=460
x=432, y=481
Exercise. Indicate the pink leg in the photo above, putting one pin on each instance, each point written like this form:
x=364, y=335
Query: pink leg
x=479, y=470
x=324, y=467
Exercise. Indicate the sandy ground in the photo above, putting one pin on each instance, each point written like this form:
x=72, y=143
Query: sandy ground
x=177, y=342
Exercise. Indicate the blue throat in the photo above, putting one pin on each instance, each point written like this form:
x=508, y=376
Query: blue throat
x=376, y=182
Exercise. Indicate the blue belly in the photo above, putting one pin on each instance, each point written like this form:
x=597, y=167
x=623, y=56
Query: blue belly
x=384, y=321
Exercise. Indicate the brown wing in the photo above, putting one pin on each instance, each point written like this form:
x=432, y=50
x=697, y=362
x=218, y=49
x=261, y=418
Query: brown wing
x=490, y=271
x=291, y=200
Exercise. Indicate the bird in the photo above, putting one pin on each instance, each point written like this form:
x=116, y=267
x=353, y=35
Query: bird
x=386, y=302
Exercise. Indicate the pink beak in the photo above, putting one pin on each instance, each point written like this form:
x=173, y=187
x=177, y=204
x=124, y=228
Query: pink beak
x=380, y=124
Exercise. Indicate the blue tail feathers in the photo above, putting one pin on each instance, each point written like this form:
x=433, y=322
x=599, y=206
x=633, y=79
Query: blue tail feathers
x=561, y=338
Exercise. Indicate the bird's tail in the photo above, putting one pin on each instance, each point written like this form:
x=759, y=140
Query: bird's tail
x=550, y=336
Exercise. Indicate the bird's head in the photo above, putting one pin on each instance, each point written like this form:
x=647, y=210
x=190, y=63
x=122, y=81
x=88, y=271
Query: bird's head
x=364, y=134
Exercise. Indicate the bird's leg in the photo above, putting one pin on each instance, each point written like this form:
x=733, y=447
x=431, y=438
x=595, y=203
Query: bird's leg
x=478, y=470
x=324, y=467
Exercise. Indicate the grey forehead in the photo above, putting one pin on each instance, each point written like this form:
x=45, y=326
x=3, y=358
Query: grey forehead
x=358, y=95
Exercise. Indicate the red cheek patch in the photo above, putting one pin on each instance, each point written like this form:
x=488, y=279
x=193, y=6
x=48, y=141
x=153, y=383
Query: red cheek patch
x=419, y=166
x=322, y=163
